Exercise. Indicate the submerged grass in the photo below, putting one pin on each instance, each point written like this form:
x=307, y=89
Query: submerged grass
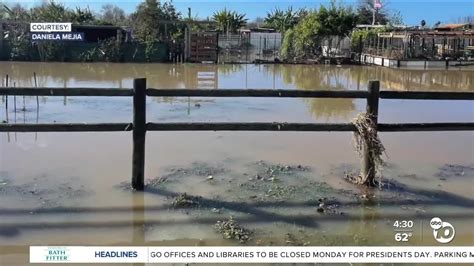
x=185, y=201
x=231, y=229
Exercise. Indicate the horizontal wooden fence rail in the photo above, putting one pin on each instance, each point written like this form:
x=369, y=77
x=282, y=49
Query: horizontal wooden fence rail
x=256, y=93
x=275, y=126
x=409, y=95
x=426, y=95
x=271, y=126
x=227, y=126
x=66, y=92
x=139, y=126
x=407, y=127
x=69, y=127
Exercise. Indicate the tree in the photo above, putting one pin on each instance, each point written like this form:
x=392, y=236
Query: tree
x=112, y=14
x=228, y=21
x=57, y=12
x=282, y=20
x=307, y=35
x=287, y=47
x=15, y=13
x=82, y=16
x=396, y=18
x=146, y=20
x=335, y=21
x=423, y=23
x=365, y=9
x=169, y=13
x=16, y=31
x=3, y=12
x=51, y=12
x=383, y=16
x=315, y=27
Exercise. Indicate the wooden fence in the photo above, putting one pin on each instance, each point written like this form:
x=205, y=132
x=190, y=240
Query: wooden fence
x=139, y=125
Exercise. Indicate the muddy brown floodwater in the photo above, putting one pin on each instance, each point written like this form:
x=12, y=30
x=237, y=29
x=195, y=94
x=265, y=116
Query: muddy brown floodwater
x=283, y=188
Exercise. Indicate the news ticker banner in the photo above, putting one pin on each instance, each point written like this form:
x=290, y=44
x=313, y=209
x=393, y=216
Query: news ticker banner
x=339, y=254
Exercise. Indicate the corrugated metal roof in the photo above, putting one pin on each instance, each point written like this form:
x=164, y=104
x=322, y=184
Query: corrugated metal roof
x=451, y=26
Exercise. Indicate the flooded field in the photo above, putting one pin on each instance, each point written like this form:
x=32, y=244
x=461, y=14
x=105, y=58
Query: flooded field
x=285, y=188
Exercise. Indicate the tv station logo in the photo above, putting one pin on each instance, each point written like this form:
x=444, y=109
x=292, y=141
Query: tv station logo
x=443, y=232
x=54, y=32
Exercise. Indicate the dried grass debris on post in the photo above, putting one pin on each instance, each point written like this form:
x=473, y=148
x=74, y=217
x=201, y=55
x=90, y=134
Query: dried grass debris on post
x=366, y=134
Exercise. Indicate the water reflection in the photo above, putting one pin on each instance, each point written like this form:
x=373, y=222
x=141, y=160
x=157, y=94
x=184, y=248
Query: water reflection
x=202, y=76
x=138, y=206
x=321, y=78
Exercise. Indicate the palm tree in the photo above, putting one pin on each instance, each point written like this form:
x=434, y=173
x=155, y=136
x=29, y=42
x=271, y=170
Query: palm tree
x=229, y=21
x=283, y=20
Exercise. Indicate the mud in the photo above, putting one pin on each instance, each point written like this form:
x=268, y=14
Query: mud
x=44, y=192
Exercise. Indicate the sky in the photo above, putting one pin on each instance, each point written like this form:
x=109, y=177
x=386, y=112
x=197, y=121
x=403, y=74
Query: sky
x=413, y=11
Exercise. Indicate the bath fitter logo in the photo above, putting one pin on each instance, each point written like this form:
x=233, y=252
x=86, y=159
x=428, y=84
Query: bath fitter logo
x=443, y=232
x=54, y=32
x=55, y=254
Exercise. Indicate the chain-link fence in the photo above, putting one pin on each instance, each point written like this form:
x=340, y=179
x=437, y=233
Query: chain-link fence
x=248, y=47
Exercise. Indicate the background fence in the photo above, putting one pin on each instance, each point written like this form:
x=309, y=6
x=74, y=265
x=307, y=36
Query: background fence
x=85, y=52
x=249, y=47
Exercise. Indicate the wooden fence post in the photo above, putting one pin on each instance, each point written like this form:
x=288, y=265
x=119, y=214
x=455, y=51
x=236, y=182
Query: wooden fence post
x=139, y=131
x=1, y=42
x=6, y=99
x=368, y=163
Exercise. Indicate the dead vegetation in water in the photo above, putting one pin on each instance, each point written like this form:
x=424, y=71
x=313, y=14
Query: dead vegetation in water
x=200, y=169
x=366, y=135
x=302, y=237
x=292, y=240
x=269, y=182
x=329, y=206
x=231, y=229
x=455, y=170
x=267, y=170
x=156, y=181
x=175, y=174
x=185, y=201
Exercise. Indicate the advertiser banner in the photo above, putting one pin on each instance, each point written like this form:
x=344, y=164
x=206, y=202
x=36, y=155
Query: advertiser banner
x=340, y=254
